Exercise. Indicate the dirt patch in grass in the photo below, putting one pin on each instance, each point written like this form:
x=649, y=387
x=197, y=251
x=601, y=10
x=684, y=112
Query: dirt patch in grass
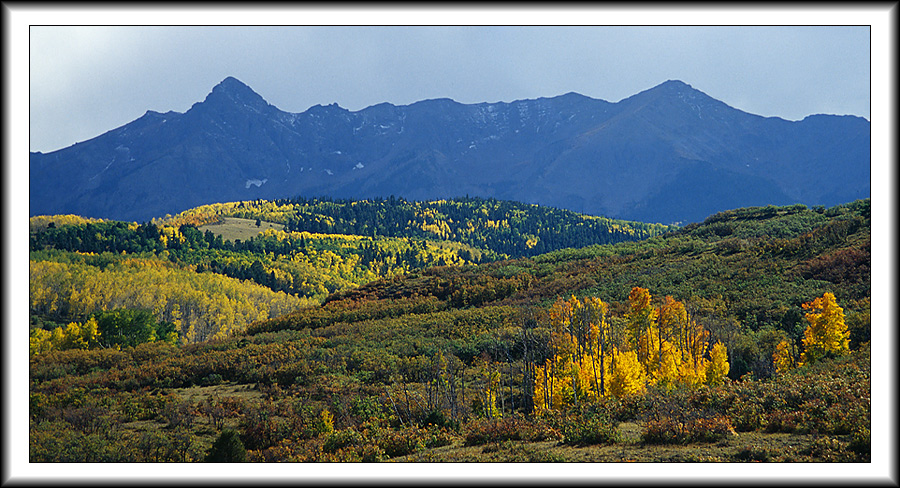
x=197, y=394
x=630, y=432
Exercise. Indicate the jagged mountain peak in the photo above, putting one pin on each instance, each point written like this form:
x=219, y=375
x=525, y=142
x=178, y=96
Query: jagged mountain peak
x=670, y=89
x=233, y=92
x=677, y=97
x=668, y=154
x=573, y=96
x=330, y=108
x=232, y=85
x=674, y=84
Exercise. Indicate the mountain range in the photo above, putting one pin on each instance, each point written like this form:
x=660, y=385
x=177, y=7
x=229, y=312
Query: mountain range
x=670, y=154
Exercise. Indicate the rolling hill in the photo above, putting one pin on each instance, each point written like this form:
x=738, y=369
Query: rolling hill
x=453, y=363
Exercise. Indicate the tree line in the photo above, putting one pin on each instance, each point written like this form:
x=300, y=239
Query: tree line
x=303, y=264
x=507, y=228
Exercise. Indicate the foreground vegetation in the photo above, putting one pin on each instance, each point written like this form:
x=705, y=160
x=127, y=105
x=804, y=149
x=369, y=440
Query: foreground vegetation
x=744, y=338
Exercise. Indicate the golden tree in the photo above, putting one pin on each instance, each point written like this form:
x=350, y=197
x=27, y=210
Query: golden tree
x=827, y=333
x=629, y=377
x=578, y=369
x=589, y=359
x=75, y=335
x=718, y=366
x=672, y=319
x=641, y=322
x=593, y=315
x=669, y=366
x=783, y=357
x=39, y=341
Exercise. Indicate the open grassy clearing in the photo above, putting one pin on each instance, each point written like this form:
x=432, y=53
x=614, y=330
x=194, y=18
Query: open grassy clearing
x=744, y=447
x=200, y=429
x=200, y=393
x=234, y=228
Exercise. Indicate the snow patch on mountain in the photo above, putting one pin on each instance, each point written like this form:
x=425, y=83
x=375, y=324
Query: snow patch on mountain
x=258, y=183
x=102, y=170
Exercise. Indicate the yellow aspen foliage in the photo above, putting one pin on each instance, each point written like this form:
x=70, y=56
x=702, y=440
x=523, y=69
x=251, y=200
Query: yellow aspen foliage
x=189, y=335
x=174, y=316
x=647, y=349
x=641, y=318
x=672, y=318
x=543, y=388
x=669, y=365
x=73, y=336
x=489, y=392
x=574, y=381
x=718, y=366
x=57, y=338
x=201, y=305
x=692, y=374
x=553, y=384
x=41, y=222
x=639, y=301
x=628, y=378
x=591, y=359
x=827, y=333
x=694, y=343
x=90, y=332
x=561, y=313
x=81, y=336
x=39, y=342
x=326, y=420
x=783, y=357
x=579, y=367
x=589, y=373
x=598, y=338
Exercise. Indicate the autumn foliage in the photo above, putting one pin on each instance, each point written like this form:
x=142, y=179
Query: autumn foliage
x=827, y=333
x=484, y=358
x=661, y=346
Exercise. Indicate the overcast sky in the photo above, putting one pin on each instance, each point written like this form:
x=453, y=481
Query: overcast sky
x=85, y=81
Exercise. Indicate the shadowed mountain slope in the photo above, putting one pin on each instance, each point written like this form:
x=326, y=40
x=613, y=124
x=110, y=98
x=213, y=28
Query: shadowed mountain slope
x=669, y=154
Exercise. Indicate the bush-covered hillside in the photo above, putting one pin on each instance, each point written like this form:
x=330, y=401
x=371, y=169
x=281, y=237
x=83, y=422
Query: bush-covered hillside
x=746, y=334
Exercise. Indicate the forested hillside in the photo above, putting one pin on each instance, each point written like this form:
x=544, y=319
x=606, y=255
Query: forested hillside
x=205, y=285
x=746, y=334
x=744, y=274
x=325, y=247
x=500, y=228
